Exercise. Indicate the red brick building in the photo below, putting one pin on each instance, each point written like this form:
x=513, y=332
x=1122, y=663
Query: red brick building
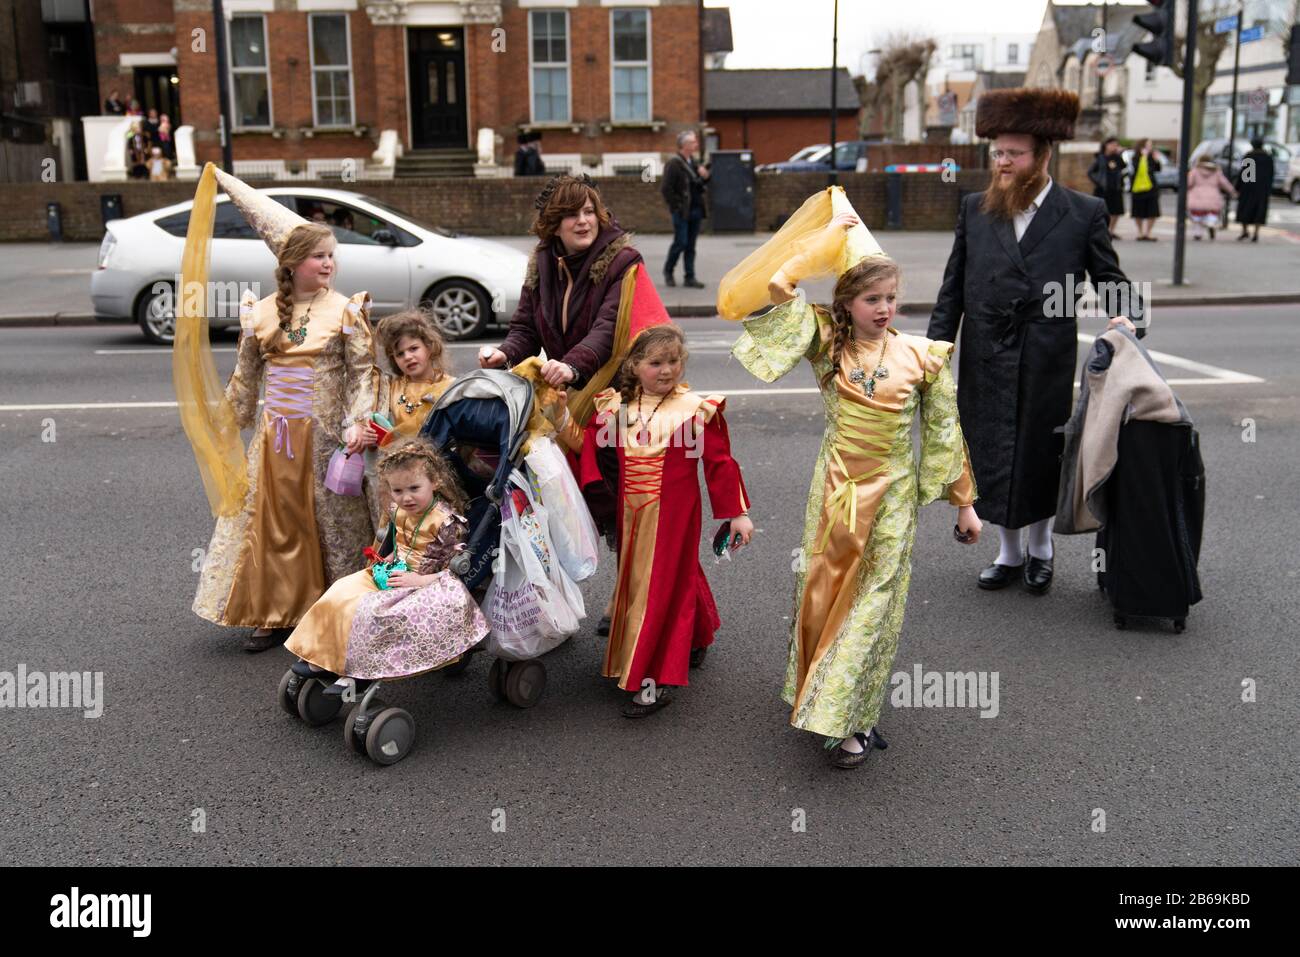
x=322, y=79
x=776, y=112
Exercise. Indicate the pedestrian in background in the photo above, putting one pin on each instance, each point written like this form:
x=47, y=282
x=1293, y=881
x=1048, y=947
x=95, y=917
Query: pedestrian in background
x=1254, y=186
x=1146, y=197
x=685, y=180
x=528, y=157
x=114, y=106
x=1206, y=187
x=1107, y=175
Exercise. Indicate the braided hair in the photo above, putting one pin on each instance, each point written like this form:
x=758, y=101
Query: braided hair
x=295, y=249
x=422, y=455
x=853, y=283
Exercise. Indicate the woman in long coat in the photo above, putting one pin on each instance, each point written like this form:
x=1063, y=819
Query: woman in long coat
x=1254, y=188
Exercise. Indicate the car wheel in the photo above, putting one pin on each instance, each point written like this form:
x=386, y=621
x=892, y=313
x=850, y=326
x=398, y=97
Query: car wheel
x=1295, y=192
x=460, y=308
x=156, y=313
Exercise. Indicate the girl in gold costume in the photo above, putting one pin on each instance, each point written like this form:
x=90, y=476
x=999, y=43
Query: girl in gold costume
x=852, y=576
x=281, y=537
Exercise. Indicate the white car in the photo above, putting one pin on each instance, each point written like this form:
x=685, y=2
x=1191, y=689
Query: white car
x=465, y=282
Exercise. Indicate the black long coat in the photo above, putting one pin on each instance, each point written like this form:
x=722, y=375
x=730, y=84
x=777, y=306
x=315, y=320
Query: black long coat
x=1015, y=373
x=1253, y=195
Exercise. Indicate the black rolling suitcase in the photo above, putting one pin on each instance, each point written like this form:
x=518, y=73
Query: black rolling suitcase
x=1155, y=507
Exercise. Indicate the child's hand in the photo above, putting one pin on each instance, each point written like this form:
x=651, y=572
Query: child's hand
x=743, y=527
x=844, y=221
x=968, y=525
x=406, y=579
x=353, y=439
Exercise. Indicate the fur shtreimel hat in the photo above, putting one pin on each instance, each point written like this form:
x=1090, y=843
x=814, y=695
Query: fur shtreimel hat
x=1047, y=114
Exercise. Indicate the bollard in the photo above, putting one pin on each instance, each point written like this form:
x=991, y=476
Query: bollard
x=894, y=200
x=54, y=219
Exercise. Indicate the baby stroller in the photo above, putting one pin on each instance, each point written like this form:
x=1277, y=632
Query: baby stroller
x=479, y=425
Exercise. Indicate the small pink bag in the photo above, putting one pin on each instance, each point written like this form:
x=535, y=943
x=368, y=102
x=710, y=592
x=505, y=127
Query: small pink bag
x=343, y=477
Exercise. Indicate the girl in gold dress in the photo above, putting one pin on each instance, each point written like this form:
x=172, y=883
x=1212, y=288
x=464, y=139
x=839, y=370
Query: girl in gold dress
x=418, y=354
x=281, y=537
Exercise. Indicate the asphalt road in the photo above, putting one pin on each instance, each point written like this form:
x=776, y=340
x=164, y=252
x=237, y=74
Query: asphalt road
x=1148, y=726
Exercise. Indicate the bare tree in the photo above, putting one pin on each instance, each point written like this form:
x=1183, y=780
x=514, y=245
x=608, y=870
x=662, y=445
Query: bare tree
x=1209, y=47
x=903, y=59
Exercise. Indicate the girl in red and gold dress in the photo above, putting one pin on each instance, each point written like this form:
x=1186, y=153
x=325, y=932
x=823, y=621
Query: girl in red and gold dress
x=664, y=614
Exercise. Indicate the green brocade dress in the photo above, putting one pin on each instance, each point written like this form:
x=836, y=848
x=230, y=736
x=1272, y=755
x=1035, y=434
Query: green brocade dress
x=855, y=562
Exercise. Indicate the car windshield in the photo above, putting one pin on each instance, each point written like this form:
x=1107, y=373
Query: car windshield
x=406, y=216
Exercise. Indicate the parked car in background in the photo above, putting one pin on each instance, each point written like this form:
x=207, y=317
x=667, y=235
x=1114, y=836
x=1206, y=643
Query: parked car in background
x=811, y=154
x=1292, y=185
x=848, y=154
x=1167, y=176
x=1218, y=148
x=466, y=283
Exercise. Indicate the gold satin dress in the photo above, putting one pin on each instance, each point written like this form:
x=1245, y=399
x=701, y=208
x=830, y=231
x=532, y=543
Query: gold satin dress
x=268, y=563
x=854, y=566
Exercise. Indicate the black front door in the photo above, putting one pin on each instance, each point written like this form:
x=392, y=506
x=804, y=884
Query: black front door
x=438, y=87
x=156, y=91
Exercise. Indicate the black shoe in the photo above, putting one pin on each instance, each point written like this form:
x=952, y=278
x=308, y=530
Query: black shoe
x=304, y=670
x=693, y=283
x=1038, y=575
x=846, y=759
x=697, y=656
x=1243, y=237
x=602, y=626
x=256, y=643
x=635, y=709
x=999, y=576
x=669, y=280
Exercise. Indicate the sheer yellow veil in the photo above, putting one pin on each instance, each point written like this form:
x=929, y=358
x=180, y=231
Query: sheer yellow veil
x=207, y=417
x=804, y=248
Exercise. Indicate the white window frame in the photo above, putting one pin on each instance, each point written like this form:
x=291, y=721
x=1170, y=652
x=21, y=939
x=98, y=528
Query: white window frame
x=1013, y=54
x=231, y=70
x=311, y=53
x=568, y=68
x=648, y=64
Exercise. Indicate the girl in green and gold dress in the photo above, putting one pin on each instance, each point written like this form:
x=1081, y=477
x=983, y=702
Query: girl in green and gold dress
x=855, y=563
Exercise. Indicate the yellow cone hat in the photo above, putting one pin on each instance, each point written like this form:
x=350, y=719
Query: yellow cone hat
x=272, y=221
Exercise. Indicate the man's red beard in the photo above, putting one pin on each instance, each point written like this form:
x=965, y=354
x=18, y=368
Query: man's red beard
x=1004, y=201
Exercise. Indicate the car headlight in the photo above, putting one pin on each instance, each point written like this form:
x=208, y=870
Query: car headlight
x=105, y=249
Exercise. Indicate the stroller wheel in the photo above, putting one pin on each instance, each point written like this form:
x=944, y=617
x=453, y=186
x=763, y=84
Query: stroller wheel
x=525, y=682
x=497, y=678
x=315, y=707
x=1180, y=624
x=390, y=736
x=287, y=694
x=1121, y=622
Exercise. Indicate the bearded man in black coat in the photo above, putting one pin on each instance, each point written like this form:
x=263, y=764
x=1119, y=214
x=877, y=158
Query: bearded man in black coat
x=1020, y=254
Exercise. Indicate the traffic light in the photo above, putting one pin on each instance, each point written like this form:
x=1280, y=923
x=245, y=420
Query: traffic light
x=1160, y=24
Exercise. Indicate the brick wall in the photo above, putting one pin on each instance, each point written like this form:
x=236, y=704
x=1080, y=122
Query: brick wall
x=776, y=138
x=502, y=206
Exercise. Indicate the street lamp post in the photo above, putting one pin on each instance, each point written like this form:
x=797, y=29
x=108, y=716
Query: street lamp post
x=835, y=42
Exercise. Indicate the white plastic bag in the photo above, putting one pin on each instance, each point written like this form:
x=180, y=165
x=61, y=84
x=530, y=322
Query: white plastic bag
x=573, y=532
x=532, y=605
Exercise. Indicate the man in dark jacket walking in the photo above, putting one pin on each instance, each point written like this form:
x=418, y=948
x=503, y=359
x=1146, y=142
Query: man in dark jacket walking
x=685, y=180
x=1019, y=258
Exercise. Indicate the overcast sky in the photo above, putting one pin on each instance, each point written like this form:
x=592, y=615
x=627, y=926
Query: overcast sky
x=765, y=34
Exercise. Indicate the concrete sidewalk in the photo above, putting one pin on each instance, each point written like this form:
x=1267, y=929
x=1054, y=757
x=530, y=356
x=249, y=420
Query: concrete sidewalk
x=49, y=283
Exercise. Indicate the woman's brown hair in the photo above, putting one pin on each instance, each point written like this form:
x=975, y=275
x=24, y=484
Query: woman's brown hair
x=297, y=246
x=415, y=324
x=420, y=454
x=853, y=283
x=666, y=337
x=564, y=196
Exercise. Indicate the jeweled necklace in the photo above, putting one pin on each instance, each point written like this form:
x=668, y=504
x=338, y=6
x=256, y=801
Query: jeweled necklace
x=299, y=335
x=857, y=374
x=410, y=538
x=643, y=433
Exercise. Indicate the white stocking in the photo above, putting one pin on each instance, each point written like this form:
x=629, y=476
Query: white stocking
x=1040, y=539
x=1009, y=552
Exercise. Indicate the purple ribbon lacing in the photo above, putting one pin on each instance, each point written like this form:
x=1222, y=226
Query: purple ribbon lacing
x=288, y=396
